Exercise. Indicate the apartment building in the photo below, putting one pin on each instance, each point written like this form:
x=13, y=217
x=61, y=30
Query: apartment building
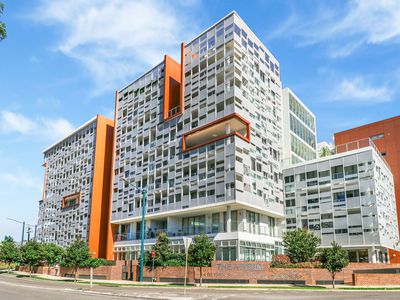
x=348, y=198
x=203, y=136
x=386, y=137
x=76, y=191
x=299, y=130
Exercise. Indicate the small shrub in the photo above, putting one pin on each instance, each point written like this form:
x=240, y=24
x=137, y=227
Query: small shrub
x=280, y=259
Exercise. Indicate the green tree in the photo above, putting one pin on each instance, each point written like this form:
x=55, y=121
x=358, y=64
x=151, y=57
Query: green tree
x=3, y=32
x=76, y=256
x=300, y=245
x=334, y=259
x=32, y=254
x=164, y=254
x=52, y=254
x=94, y=262
x=201, y=253
x=9, y=252
x=325, y=151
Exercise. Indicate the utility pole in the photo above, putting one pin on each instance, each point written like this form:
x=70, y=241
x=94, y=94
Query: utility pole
x=143, y=233
x=34, y=234
x=24, y=224
x=23, y=233
x=29, y=234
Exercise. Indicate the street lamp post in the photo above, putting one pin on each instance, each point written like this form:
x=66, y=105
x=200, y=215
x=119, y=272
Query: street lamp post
x=144, y=195
x=143, y=232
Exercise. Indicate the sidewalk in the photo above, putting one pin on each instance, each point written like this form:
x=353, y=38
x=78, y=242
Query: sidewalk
x=205, y=285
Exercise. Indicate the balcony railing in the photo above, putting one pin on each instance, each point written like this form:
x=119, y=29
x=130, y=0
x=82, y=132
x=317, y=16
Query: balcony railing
x=152, y=233
x=359, y=144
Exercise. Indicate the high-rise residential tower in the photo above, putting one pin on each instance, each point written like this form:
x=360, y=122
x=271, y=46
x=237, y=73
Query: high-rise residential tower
x=299, y=130
x=348, y=198
x=76, y=191
x=204, y=137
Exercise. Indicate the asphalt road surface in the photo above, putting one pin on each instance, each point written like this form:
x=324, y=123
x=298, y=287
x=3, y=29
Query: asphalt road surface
x=12, y=288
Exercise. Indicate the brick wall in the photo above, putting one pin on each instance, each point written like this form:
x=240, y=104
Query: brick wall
x=230, y=272
x=104, y=272
x=366, y=279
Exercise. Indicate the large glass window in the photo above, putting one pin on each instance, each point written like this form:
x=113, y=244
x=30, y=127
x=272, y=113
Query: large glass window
x=253, y=221
x=250, y=251
x=301, y=149
x=302, y=131
x=301, y=112
x=226, y=250
x=215, y=223
x=234, y=220
x=194, y=225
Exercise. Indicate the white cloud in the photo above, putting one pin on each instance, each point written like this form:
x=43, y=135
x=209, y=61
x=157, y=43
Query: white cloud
x=56, y=128
x=20, y=179
x=14, y=122
x=357, y=90
x=115, y=40
x=47, y=128
x=344, y=29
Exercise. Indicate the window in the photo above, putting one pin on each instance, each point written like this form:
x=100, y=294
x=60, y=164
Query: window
x=311, y=174
x=324, y=173
x=193, y=225
x=215, y=223
x=290, y=203
x=377, y=136
x=353, y=193
x=337, y=172
x=71, y=200
x=289, y=179
x=339, y=197
x=350, y=170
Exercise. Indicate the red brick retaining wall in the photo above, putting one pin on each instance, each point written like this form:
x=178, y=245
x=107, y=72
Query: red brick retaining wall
x=237, y=272
x=365, y=279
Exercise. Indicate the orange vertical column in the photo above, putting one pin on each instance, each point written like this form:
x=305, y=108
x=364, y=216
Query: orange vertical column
x=100, y=203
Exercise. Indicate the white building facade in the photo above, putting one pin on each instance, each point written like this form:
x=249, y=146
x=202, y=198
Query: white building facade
x=347, y=198
x=211, y=159
x=299, y=130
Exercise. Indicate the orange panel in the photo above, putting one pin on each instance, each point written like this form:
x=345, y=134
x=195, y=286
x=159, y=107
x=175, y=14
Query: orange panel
x=70, y=196
x=45, y=165
x=100, y=205
x=394, y=256
x=173, y=86
x=112, y=228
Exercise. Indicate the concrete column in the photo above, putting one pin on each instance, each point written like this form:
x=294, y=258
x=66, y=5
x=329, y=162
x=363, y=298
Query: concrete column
x=228, y=219
x=373, y=255
x=227, y=128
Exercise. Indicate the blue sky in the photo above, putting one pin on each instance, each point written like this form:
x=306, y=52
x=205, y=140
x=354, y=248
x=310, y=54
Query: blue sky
x=63, y=60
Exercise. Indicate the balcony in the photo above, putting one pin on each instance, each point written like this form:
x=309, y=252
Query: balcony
x=232, y=124
x=153, y=233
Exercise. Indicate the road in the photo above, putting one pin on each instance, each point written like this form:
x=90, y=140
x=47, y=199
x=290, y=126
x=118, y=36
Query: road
x=12, y=288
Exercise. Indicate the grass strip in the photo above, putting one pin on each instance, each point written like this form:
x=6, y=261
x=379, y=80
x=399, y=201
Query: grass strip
x=266, y=287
